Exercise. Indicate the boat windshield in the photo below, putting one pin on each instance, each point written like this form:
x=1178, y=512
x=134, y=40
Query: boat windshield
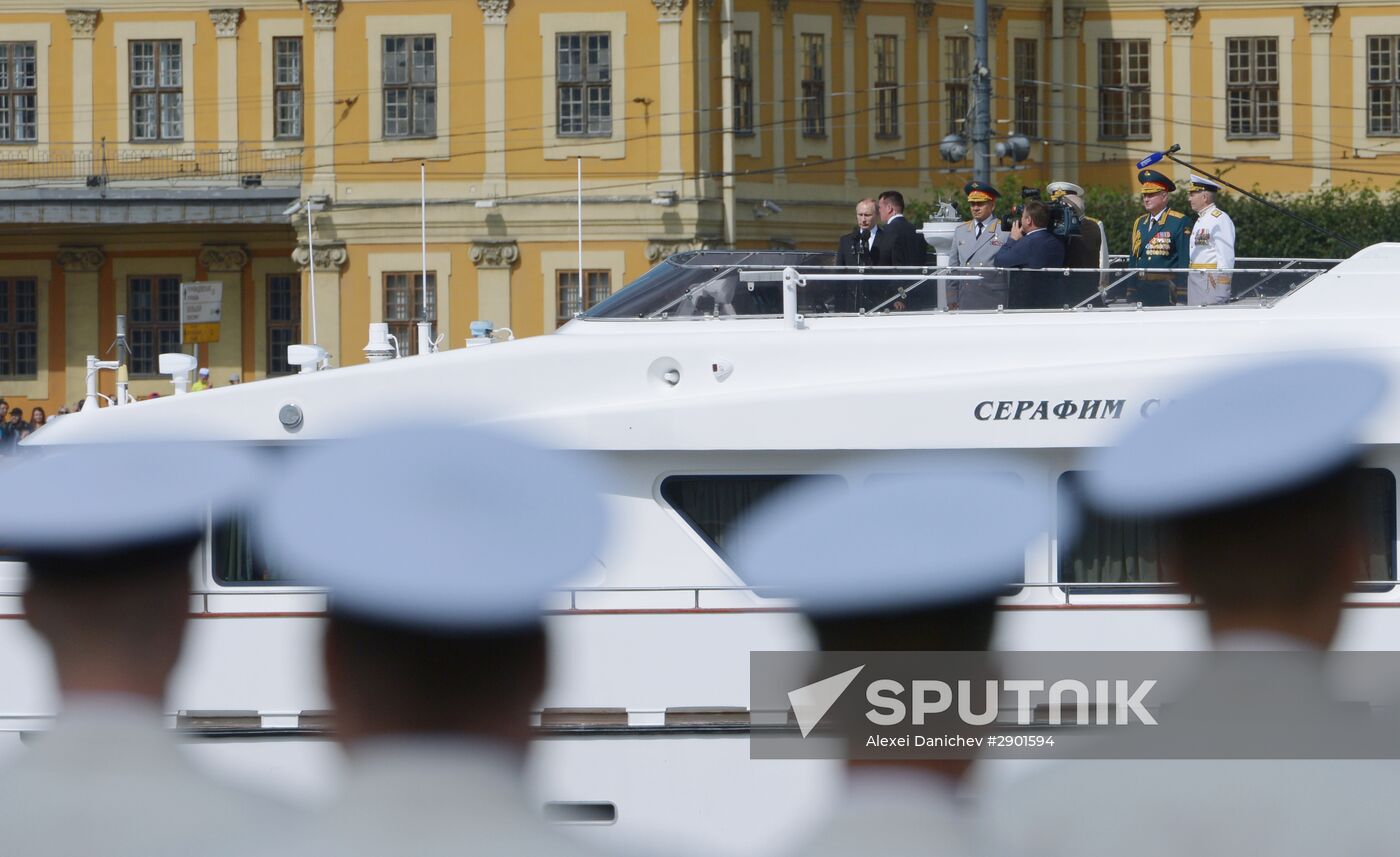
x=731, y=284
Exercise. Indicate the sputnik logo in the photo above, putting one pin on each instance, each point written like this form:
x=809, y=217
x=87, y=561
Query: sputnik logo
x=810, y=703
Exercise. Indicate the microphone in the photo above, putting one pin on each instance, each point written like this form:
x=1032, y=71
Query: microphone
x=1157, y=156
x=1150, y=160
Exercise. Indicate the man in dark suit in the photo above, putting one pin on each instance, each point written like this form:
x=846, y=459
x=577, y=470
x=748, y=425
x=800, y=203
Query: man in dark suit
x=857, y=247
x=899, y=242
x=1035, y=246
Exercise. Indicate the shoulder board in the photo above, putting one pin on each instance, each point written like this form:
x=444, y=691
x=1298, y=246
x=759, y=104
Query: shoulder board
x=1091, y=219
x=1216, y=213
x=1172, y=212
x=971, y=224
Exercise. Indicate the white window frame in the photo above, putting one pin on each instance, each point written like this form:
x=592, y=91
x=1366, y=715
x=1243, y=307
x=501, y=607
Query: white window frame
x=1282, y=147
x=552, y=146
x=376, y=28
x=123, y=34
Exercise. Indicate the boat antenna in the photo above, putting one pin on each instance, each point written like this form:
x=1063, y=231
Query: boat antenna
x=580, y=235
x=1170, y=154
x=425, y=328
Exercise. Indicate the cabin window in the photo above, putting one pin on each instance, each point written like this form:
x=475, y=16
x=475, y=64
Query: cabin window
x=404, y=307
x=153, y=321
x=956, y=67
x=410, y=86
x=286, y=87
x=743, y=82
x=1382, y=85
x=813, y=85
x=157, y=91
x=599, y=288
x=19, y=328
x=283, y=320
x=1125, y=84
x=886, y=87
x=1252, y=87
x=583, y=77
x=1117, y=550
x=1028, y=87
x=19, y=92
x=712, y=505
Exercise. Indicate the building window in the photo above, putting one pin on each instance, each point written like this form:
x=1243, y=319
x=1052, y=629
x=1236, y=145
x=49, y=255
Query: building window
x=599, y=288
x=1252, y=86
x=1027, y=87
x=583, y=73
x=286, y=87
x=283, y=320
x=403, y=308
x=19, y=328
x=886, y=87
x=743, y=82
x=957, y=66
x=410, y=86
x=1383, y=85
x=157, y=91
x=153, y=321
x=1124, y=90
x=19, y=93
x=813, y=85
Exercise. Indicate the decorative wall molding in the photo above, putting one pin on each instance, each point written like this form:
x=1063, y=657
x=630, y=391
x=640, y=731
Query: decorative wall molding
x=226, y=22
x=663, y=248
x=83, y=22
x=994, y=14
x=323, y=13
x=779, y=8
x=703, y=7
x=1320, y=19
x=81, y=260
x=497, y=253
x=923, y=14
x=850, y=13
x=668, y=10
x=494, y=10
x=1182, y=19
x=224, y=257
x=331, y=256
x=1074, y=21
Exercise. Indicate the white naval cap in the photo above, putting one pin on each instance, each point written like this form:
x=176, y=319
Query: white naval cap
x=114, y=496
x=438, y=528
x=1061, y=188
x=920, y=539
x=1263, y=429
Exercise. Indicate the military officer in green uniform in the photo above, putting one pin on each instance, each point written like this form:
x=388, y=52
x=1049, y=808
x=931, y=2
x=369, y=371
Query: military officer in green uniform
x=1161, y=239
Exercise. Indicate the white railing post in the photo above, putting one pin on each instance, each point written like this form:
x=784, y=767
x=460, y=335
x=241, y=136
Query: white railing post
x=791, y=281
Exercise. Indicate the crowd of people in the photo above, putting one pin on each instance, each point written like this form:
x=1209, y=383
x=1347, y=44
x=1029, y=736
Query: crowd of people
x=435, y=650
x=1058, y=233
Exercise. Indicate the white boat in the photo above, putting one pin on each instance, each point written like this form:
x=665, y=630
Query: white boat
x=702, y=386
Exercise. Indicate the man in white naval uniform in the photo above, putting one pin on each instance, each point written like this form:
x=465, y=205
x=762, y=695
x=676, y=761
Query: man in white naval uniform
x=931, y=587
x=434, y=646
x=1212, y=245
x=1265, y=529
x=109, y=591
x=975, y=243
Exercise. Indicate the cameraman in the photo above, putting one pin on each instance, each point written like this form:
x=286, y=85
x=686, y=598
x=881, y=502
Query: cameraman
x=1032, y=244
x=1089, y=247
x=1035, y=246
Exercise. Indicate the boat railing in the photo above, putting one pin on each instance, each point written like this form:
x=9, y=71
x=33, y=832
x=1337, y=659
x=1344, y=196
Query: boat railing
x=795, y=292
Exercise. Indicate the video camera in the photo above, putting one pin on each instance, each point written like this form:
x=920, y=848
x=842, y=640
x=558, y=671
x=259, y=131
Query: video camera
x=1064, y=220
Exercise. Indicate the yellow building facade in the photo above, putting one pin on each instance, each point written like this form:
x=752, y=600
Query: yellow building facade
x=146, y=143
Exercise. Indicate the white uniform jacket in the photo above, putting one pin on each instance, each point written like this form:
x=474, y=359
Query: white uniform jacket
x=430, y=796
x=1212, y=248
x=893, y=812
x=109, y=779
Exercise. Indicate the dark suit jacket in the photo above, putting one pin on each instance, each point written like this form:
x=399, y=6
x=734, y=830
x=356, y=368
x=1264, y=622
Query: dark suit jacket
x=899, y=243
x=1040, y=249
x=848, y=250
